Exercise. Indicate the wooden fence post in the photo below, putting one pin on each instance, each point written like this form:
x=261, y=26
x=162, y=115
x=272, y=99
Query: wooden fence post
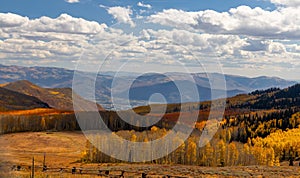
x=32, y=168
x=144, y=175
x=74, y=170
x=44, y=163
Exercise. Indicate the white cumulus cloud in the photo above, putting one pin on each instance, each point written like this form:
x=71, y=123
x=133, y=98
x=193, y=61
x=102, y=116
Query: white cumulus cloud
x=140, y=4
x=213, y=35
x=12, y=20
x=48, y=39
x=174, y=17
x=291, y=3
x=72, y=1
x=65, y=24
x=242, y=20
x=121, y=14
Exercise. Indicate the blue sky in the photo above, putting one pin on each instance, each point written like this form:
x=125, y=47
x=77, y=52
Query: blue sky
x=242, y=37
x=90, y=10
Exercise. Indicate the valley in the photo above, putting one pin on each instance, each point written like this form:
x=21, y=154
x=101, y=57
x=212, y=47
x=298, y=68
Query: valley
x=38, y=120
x=149, y=89
x=105, y=82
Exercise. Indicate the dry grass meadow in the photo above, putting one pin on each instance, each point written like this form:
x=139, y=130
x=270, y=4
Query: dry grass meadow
x=63, y=150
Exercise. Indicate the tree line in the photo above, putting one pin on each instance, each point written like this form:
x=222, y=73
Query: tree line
x=270, y=151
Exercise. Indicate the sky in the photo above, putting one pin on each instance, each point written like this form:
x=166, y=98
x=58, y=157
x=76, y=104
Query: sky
x=240, y=37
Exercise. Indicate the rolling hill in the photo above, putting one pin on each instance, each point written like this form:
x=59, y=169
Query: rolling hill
x=58, y=98
x=11, y=100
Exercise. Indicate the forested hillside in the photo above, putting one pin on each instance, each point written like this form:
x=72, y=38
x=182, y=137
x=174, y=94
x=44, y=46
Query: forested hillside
x=277, y=147
x=249, y=134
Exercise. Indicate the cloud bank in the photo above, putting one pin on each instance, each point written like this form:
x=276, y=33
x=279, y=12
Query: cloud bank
x=240, y=37
x=242, y=20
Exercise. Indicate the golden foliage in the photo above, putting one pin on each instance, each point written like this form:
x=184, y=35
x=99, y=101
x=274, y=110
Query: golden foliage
x=38, y=111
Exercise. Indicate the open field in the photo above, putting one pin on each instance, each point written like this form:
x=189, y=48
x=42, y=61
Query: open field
x=63, y=150
x=37, y=111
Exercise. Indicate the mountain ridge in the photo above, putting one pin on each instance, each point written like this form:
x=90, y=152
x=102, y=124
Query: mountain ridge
x=11, y=100
x=53, y=77
x=58, y=98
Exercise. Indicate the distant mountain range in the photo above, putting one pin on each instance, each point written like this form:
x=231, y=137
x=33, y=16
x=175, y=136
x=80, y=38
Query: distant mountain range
x=272, y=99
x=141, y=89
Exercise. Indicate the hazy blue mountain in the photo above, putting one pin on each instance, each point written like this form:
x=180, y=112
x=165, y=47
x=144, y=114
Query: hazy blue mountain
x=143, y=86
x=173, y=95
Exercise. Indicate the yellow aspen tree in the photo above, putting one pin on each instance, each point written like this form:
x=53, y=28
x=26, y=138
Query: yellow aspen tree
x=264, y=156
x=191, y=152
x=145, y=140
x=132, y=150
x=154, y=129
x=270, y=156
x=178, y=157
x=133, y=138
x=277, y=161
x=228, y=135
x=43, y=123
x=246, y=155
x=260, y=154
x=85, y=154
x=233, y=154
x=221, y=150
x=209, y=154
